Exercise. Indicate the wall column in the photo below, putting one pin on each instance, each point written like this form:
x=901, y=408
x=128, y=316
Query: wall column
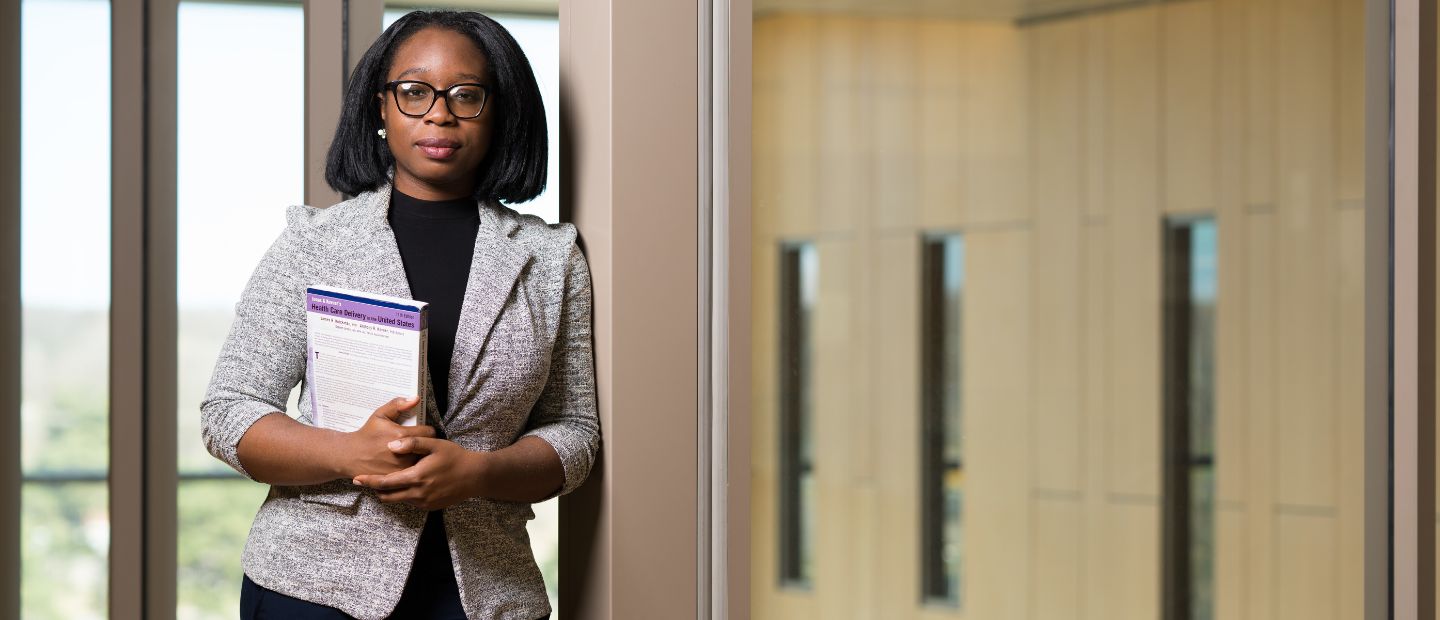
x=628, y=116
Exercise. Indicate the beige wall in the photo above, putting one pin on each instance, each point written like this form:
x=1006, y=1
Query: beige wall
x=1057, y=149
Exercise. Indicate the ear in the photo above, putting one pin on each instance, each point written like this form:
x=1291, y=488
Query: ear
x=381, y=97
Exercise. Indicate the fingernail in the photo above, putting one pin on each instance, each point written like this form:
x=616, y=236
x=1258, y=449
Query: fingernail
x=395, y=445
x=355, y=481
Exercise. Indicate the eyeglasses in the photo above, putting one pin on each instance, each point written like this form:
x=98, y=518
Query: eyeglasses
x=415, y=99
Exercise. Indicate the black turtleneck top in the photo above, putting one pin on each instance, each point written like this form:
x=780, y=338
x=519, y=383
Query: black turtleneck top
x=436, y=240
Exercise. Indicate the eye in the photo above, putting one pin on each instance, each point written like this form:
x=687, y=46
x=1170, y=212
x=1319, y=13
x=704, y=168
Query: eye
x=413, y=91
x=466, y=95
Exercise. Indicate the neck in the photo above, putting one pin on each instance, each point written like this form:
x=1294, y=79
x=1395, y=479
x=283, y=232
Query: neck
x=415, y=188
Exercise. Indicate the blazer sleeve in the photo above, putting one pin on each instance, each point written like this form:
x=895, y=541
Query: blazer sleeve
x=262, y=359
x=565, y=415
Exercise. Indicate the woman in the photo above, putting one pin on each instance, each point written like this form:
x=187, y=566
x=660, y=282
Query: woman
x=442, y=119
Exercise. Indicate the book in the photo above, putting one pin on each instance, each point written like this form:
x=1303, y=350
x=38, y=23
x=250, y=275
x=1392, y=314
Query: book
x=362, y=350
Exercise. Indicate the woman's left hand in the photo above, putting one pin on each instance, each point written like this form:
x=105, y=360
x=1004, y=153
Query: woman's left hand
x=445, y=475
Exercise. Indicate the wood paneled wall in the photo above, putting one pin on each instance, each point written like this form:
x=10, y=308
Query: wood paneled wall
x=1057, y=148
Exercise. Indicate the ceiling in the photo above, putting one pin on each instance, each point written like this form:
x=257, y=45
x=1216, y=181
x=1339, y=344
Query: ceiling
x=1018, y=10
x=533, y=7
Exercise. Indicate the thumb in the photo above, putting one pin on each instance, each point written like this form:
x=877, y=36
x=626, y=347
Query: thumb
x=395, y=408
x=412, y=445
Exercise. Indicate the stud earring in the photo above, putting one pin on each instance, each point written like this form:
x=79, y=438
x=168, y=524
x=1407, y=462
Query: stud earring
x=380, y=132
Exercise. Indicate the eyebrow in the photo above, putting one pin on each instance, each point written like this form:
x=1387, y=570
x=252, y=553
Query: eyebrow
x=464, y=76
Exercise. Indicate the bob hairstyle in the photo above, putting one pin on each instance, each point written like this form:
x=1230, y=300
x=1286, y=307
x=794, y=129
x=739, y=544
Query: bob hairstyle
x=514, y=168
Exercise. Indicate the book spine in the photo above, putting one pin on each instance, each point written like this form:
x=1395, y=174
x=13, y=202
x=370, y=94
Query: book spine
x=424, y=368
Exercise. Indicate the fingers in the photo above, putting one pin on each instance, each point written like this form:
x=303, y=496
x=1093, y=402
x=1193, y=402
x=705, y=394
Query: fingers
x=421, y=430
x=412, y=445
x=402, y=479
x=406, y=496
x=395, y=408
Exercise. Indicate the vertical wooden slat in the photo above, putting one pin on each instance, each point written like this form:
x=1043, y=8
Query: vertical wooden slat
x=1232, y=378
x=737, y=531
x=1378, y=94
x=143, y=313
x=337, y=33
x=161, y=320
x=1412, y=311
x=324, y=79
x=363, y=19
x=127, y=309
x=10, y=316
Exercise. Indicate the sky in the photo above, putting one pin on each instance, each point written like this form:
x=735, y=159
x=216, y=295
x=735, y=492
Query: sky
x=240, y=143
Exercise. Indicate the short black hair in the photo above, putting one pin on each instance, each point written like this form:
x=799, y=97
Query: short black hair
x=515, y=167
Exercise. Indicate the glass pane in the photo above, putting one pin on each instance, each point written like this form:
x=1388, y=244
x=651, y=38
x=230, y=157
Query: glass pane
x=65, y=299
x=235, y=179
x=1067, y=143
x=226, y=218
x=539, y=37
x=65, y=541
x=214, y=517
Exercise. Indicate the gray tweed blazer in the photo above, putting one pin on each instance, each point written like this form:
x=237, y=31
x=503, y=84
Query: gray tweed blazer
x=523, y=365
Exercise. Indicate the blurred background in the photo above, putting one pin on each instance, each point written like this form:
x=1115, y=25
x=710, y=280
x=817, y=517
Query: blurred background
x=1057, y=305
x=1058, y=309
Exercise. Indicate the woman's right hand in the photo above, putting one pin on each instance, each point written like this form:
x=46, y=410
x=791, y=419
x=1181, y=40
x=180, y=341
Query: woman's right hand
x=365, y=450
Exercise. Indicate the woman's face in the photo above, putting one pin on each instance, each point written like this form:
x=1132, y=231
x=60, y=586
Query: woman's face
x=437, y=155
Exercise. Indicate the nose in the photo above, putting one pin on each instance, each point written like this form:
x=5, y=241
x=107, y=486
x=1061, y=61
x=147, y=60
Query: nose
x=440, y=112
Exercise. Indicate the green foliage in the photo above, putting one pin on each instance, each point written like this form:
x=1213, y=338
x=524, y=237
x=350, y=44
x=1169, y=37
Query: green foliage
x=215, y=517
x=65, y=390
x=64, y=532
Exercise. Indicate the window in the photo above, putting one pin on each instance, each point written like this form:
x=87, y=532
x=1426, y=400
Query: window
x=253, y=148
x=941, y=468
x=1189, y=421
x=65, y=300
x=798, y=284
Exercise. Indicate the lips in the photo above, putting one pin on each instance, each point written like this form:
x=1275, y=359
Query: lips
x=437, y=148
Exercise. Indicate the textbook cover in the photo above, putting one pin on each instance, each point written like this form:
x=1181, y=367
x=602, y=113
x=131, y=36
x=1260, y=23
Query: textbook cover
x=363, y=349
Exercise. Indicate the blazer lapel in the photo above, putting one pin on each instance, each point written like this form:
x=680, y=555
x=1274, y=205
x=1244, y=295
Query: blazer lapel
x=382, y=270
x=494, y=268
x=379, y=268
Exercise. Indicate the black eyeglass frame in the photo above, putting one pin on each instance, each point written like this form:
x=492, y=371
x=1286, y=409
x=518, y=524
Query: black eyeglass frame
x=436, y=94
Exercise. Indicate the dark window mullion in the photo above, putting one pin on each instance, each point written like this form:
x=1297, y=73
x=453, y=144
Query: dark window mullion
x=796, y=459
x=1187, y=421
x=941, y=461
x=932, y=465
